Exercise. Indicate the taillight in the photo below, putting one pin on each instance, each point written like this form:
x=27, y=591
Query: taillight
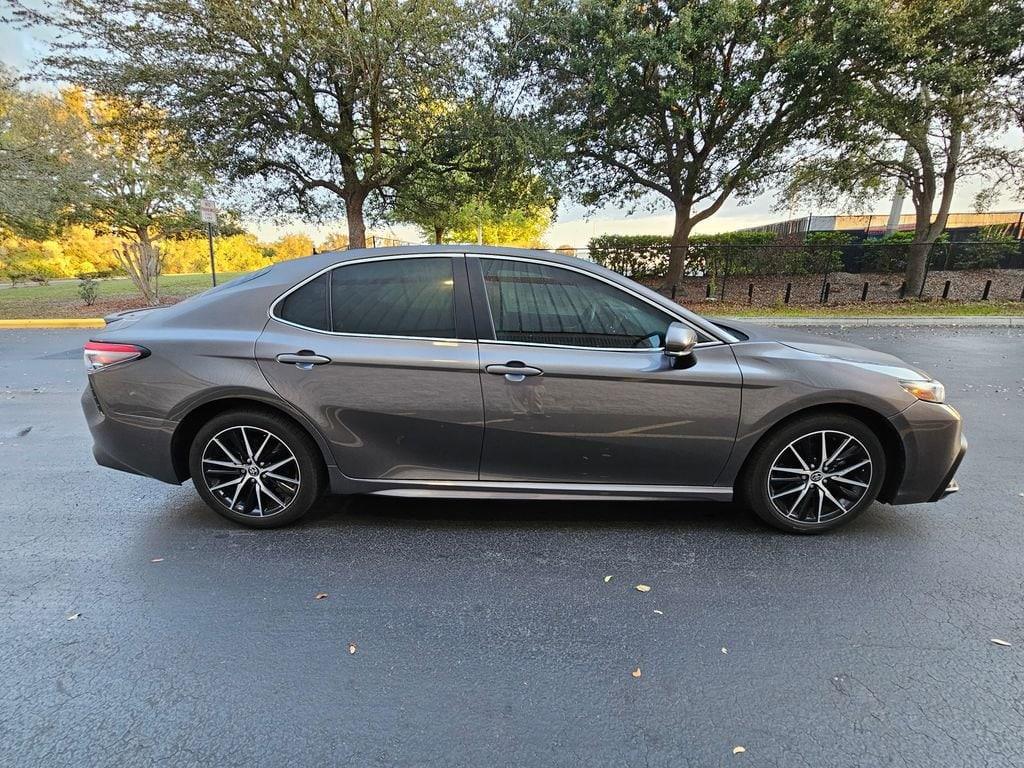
x=100, y=354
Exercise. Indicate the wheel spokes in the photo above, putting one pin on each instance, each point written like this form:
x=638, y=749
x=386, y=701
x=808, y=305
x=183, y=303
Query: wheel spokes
x=833, y=477
x=272, y=488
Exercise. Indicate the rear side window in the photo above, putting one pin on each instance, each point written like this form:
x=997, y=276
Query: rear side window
x=398, y=297
x=540, y=304
x=308, y=305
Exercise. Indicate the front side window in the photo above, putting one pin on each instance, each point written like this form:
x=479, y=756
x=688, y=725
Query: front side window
x=540, y=304
x=395, y=297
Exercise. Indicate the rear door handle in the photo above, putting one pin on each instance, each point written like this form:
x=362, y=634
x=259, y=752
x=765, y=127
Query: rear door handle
x=513, y=370
x=304, y=359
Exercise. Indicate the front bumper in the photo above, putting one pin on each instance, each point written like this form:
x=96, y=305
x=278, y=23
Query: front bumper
x=933, y=448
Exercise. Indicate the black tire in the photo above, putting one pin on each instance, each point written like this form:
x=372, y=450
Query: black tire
x=756, y=482
x=258, y=485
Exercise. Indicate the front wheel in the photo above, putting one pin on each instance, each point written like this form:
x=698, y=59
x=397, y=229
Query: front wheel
x=815, y=473
x=256, y=468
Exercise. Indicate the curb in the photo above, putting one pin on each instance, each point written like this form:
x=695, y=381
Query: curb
x=55, y=322
x=990, y=321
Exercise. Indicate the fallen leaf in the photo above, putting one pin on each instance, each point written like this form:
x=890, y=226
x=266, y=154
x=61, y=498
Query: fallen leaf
x=607, y=579
x=642, y=588
x=738, y=750
x=997, y=641
x=636, y=672
x=157, y=560
x=351, y=648
x=320, y=596
x=72, y=616
x=658, y=612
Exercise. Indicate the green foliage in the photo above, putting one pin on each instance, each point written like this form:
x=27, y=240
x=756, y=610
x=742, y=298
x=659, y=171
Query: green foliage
x=44, y=165
x=927, y=106
x=88, y=289
x=824, y=252
x=692, y=102
x=523, y=228
x=487, y=172
x=646, y=257
x=324, y=104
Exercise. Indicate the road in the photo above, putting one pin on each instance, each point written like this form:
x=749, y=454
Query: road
x=489, y=634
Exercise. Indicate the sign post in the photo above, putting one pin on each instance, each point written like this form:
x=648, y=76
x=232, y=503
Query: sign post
x=208, y=214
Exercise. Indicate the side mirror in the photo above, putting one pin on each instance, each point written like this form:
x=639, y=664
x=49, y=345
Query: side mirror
x=680, y=340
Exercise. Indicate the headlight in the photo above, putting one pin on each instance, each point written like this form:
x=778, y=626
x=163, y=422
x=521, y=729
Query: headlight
x=930, y=391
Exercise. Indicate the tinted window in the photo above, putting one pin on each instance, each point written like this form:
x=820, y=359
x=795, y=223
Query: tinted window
x=547, y=305
x=403, y=297
x=308, y=305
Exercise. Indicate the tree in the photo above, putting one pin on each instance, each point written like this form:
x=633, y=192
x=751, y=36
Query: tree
x=689, y=101
x=291, y=247
x=522, y=227
x=43, y=163
x=145, y=180
x=487, y=168
x=927, y=109
x=335, y=241
x=323, y=103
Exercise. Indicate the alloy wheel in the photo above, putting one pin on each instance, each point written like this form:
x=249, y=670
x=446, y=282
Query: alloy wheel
x=820, y=476
x=251, y=471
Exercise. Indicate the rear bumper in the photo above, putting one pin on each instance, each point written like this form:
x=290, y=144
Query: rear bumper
x=135, y=444
x=933, y=448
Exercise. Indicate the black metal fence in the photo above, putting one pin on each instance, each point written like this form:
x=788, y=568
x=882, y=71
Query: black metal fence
x=824, y=272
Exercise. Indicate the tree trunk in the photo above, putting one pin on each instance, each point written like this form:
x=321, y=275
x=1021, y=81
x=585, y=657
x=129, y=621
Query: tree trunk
x=479, y=233
x=356, y=224
x=438, y=235
x=677, y=248
x=917, y=261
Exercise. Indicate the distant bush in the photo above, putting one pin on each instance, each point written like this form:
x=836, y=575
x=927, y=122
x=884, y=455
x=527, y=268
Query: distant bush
x=645, y=257
x=641, y=257
x=88, y=289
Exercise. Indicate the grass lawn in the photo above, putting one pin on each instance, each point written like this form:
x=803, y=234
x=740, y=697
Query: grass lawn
x=861, y=309
x=61, y=299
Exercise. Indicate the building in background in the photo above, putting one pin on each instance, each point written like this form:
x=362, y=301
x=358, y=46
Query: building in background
x=960, y=226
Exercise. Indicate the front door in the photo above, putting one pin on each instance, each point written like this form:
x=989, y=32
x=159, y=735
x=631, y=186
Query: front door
x=577, y=389
x=380, y=355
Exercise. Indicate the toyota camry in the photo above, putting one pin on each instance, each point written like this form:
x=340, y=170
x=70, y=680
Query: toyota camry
x=475, y=372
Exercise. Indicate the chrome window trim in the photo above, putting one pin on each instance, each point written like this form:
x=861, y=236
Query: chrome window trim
x=720, y=336
x=271, y=314
x=717, y=337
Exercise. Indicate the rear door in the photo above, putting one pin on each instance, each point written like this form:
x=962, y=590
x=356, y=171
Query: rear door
x=381, y=355
x=577, y=387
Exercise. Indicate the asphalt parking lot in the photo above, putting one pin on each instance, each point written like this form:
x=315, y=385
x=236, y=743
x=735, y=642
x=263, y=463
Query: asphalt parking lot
x=488, y=634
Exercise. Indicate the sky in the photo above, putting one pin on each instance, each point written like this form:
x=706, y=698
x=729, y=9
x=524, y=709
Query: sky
x=573, y=225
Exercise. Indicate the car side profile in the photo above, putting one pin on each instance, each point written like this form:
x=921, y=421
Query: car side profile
x=466, y=371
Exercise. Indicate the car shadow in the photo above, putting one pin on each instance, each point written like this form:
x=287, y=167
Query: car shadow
x=378, y=512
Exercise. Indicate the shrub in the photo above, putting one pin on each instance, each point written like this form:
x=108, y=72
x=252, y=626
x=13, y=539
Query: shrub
x=889, y=253
x=641, y=257
x=88, y=288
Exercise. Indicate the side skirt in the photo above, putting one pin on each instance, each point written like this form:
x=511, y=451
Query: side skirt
x=519, y=490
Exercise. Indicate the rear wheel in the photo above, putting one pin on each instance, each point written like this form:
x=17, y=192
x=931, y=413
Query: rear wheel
x=256, y=468
x=815, y=473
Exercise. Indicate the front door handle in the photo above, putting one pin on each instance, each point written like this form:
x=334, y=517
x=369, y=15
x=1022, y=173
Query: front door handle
x=304, y=359
x=513, y=370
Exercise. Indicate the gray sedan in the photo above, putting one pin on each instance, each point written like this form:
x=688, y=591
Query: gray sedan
x=480, y=372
